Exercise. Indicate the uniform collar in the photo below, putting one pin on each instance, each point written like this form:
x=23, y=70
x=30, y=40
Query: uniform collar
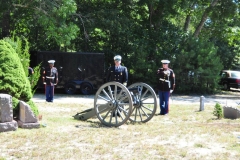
x=117, y=66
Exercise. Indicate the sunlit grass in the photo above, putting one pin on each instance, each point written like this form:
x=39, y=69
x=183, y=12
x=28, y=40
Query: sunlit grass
x=185, y=133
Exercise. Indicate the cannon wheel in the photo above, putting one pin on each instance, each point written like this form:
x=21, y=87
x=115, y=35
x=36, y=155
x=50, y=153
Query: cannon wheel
x=144, y=103
x=113, y=104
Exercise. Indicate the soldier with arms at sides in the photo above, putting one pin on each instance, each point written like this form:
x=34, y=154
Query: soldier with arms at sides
x=117, y=72
x=50, y=78
x=165, y=86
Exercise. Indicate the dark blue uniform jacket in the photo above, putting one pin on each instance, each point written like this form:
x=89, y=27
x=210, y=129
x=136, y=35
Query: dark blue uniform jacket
x=119, y=75
x=50, y=72
x=166, y=79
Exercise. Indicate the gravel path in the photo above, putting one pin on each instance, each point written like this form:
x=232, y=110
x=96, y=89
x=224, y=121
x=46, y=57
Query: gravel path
x=230, y=98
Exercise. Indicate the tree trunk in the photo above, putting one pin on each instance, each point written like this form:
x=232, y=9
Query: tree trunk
x=155, y=15
x=6, y=24
x=204, y=18
x=188, y=18
x=187, y=23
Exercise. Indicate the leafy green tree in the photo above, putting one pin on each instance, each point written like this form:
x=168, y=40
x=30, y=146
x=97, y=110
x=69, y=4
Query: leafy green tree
x=143, y=32
x=47, y=24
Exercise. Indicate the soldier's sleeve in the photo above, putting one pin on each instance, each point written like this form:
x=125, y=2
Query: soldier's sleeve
x=159, y=71
x=173, y=80
x=56, y=75
x=108, y=74
x=126, y=75
x=43, y=75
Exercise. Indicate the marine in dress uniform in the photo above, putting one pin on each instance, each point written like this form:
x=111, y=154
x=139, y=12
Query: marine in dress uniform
x=165, y=86
x=117, y=72
x=50, y=78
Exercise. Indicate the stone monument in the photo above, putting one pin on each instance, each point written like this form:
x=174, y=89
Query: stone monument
x=27, y=119
x=6, y=114
x=231, y=112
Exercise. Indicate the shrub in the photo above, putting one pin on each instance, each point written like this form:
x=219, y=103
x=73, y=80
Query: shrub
x=218, y=111
x=34, y=78
x=12, y=76
x=13, y=79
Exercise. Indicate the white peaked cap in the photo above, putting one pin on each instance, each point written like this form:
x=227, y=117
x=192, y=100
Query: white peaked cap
x=165, y=61
x=117, y=57
x=51, y=61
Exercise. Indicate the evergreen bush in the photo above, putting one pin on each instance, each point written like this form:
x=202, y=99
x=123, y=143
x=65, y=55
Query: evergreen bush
x=218, y=111
x=34, y=78
x=13, y=79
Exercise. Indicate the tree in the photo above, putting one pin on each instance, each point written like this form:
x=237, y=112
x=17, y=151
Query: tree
x=202, y=67
x=44, y=23
x=143, y=32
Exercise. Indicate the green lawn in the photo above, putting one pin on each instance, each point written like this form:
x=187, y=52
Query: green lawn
x=185, y=133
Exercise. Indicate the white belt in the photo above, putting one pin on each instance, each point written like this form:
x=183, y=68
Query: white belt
x=164, y=80
x=50, y=77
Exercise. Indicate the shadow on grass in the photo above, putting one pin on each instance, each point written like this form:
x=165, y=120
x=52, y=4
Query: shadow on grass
x=93, y=124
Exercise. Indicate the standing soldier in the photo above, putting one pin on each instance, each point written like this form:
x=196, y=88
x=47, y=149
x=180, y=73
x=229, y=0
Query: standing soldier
x=165, y=86
x=117, y=72
x=50, y=78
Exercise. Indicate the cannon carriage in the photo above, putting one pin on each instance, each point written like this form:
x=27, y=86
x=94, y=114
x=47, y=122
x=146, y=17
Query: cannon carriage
x=115, y=104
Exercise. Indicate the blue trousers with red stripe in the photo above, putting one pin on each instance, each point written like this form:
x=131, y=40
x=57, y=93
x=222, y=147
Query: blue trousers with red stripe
x=49, y=91
x=164, y=101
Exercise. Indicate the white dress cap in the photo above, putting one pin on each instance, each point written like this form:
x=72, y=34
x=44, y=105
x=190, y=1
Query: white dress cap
x=117, y=58
x=165, y=61
x=51, y=61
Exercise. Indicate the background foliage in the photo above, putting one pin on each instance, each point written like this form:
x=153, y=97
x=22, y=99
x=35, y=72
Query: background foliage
x=197, y=36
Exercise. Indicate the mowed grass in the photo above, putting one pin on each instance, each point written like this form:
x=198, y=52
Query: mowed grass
x=185, y=133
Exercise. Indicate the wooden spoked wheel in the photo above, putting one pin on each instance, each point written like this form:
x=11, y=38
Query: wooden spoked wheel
x=144, y=102
x=113, y=104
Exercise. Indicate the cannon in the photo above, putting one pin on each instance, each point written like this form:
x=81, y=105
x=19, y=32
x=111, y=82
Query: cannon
x=115, y=104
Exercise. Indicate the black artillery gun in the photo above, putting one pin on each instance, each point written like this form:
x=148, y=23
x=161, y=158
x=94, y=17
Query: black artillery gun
x=115, y=104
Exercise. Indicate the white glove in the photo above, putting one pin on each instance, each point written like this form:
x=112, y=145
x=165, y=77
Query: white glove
x=125, y=84
x=171, y=91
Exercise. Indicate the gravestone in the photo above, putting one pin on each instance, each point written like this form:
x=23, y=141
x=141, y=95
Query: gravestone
x=27, y=119
x=231, y=112
x=6, y=114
